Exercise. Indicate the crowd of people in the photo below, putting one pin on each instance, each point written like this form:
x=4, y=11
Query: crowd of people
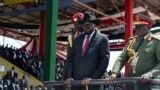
x=31, y=63
x=60, y=63
x=10, y=81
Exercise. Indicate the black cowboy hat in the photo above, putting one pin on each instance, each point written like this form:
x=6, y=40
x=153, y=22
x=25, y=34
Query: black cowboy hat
x=90, y=17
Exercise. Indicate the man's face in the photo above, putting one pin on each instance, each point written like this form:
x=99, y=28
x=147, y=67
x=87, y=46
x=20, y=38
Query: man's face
x=88, y=27
x=140, y=30
x=78, y=27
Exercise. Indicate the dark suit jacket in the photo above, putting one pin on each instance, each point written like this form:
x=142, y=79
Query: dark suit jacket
x=94, y=61
x=23, y=85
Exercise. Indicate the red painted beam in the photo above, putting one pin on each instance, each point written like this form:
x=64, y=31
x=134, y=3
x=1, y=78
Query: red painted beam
x=111, y=21
x=117, y=46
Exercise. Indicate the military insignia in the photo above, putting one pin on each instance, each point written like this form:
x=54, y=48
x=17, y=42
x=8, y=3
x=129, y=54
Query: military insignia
x=137, y=18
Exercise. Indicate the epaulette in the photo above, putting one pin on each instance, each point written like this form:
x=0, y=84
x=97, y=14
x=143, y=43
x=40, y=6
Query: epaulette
x=133, y=37
x=156, y=37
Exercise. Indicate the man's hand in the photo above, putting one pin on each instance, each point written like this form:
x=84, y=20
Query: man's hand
x=111, y=77
x=86, y=81
x=68, y=81
x=146, y=77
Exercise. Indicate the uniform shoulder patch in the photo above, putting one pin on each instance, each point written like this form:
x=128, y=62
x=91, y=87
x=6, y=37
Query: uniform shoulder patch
x=132, y=37
x=156, y=37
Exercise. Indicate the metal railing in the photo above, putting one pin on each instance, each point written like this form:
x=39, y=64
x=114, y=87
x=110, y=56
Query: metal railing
x=134, y=80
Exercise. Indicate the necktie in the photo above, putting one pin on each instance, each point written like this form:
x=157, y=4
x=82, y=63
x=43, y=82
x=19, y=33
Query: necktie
x=85, y=45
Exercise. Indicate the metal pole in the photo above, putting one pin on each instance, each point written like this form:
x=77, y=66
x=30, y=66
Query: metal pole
x=128, y=27
x=100, y=82
x=50, y=39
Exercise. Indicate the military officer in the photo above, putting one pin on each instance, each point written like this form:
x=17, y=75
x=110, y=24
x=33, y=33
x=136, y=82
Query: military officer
x=76, y=31
x=142, y=54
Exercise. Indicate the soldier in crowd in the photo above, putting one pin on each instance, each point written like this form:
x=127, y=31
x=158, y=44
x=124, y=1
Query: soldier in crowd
x=76, y=31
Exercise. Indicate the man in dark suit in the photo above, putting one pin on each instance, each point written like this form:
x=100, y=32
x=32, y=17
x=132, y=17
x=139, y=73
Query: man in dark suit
x=89, y=56
x=23, y=83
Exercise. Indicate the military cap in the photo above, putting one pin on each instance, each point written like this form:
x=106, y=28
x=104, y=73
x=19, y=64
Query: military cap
x=77, y=17
x=140, y=19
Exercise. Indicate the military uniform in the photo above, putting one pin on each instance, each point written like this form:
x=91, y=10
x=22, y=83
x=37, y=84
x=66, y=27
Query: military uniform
x=147, y=58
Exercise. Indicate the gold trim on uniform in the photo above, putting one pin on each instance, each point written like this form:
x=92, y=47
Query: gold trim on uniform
x=133, y=59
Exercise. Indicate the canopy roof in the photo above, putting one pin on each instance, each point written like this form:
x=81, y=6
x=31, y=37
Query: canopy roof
x=21, y=19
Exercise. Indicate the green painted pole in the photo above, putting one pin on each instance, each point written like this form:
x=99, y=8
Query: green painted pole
x=50, y=39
